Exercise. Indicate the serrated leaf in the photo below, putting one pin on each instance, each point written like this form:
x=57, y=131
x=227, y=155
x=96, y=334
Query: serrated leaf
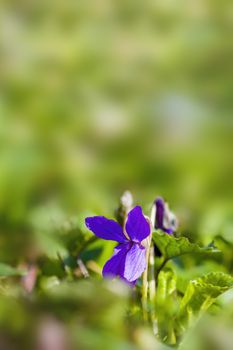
x=7, y=270
x=184, y=275
x=208, y=287
x=200, y=294
x=172, y=247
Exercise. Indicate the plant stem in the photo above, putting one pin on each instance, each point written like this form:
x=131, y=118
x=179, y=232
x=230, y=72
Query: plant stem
x=145, y=289
x=152, y=288
x=83, y=268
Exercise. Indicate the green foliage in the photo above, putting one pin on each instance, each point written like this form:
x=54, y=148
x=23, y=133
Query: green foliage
x=166, y=306
x=175, y=314
x=202, y=292
x=172, y=247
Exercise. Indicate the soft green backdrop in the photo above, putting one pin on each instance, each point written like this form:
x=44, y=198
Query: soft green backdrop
x=101, y=96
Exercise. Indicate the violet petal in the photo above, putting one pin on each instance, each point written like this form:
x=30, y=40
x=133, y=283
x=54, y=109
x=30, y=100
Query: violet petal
x=106, y=228
x=116, y=264
x=137, y=226
x=135, y=262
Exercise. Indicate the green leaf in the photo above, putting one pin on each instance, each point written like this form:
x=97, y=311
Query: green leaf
x=172, y=247
x=200, y=294
x=166, y=306
x=7, y=270
x=166, y=285
x=184, y=275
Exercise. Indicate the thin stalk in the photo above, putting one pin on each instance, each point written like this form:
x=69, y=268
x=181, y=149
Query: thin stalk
x=152, y=288
x=83, y=268
x=152, y=282
x=145, y=289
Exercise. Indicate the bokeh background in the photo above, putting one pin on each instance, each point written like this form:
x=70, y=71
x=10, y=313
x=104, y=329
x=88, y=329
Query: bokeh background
x=100, y=96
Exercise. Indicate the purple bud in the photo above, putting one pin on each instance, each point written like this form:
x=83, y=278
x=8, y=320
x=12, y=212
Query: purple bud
x=163, y=218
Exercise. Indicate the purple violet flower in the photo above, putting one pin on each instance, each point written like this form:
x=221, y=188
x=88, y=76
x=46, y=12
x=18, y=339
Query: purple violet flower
x=165, y=220
x=129, y=259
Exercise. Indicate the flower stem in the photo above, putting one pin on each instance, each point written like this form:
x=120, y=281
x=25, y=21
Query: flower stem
x=145, y=289
x=152, y=288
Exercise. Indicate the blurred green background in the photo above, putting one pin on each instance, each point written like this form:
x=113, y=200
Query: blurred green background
x=100, y=96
